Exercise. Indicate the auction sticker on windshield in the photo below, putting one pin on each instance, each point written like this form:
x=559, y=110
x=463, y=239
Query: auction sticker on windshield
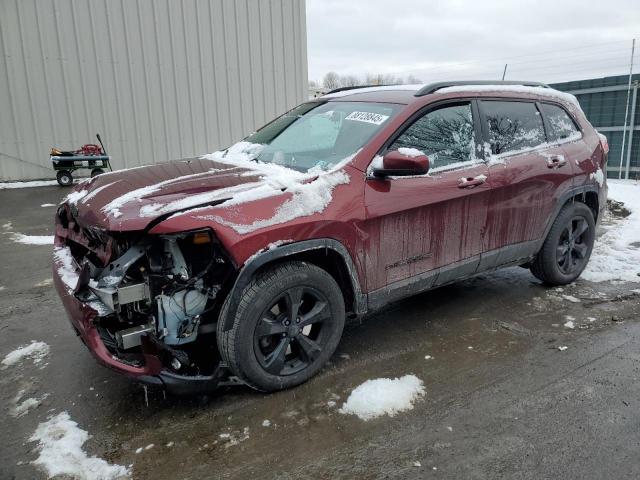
x=368, y=117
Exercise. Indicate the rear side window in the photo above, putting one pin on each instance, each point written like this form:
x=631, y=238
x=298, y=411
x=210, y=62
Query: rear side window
x=445, y=135
x=513, y=125
x=559, y=123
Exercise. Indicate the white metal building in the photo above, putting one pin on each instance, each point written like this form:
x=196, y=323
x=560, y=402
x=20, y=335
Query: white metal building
x=158, y=79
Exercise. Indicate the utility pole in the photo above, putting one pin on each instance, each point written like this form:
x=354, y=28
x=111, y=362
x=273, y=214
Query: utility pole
x=504, y=71
x=626, y=112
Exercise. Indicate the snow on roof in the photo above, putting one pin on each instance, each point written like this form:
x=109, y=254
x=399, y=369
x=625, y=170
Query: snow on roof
x=542, y=91
x=381, y=88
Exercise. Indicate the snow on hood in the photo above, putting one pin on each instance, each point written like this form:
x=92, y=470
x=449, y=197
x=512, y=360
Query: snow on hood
x=311, y=191
x=129, y=199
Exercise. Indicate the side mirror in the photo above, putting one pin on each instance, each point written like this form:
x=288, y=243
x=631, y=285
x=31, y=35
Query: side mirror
x=402, y=164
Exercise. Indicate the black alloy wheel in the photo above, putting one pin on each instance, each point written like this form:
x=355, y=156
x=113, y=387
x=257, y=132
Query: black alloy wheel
x=290, y=334
x=567, y=247
x=287, y=325
x=572, y=249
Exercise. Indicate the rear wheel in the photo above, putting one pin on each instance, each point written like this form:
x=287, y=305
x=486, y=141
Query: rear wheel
x=288, y=324
x=64, y=178
x=568, y=246
x=96, y=171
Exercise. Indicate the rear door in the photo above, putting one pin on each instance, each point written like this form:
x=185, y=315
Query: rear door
x=527, y=173
x=415, y=225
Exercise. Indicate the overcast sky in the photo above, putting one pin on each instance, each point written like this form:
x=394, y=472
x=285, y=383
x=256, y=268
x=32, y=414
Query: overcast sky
x=461, y=39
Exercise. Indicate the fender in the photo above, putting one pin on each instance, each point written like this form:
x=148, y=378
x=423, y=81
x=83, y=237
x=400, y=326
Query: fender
x=249, y=269
x=572, y=192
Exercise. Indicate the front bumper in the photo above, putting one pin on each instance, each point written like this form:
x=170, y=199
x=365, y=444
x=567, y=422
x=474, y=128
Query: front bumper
x=82, y=317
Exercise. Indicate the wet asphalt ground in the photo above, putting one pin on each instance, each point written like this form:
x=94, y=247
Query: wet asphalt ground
x=502, y=401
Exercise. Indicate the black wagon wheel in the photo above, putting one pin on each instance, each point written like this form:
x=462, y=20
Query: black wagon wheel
x=287, y=325
x=64, y=178
x=567, y=247
x=571, y=252
x=96, y=171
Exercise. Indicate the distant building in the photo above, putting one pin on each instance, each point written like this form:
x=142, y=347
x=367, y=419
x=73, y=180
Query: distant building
x=604, y=101
x=158, y=80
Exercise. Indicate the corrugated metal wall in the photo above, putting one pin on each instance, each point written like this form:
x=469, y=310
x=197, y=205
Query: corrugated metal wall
x=158, y=79
x=604, y=101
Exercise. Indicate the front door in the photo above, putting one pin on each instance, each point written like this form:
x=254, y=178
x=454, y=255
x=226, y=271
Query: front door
x=430, y=223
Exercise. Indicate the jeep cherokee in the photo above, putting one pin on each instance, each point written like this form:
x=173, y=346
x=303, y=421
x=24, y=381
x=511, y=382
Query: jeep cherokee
x=242, y=265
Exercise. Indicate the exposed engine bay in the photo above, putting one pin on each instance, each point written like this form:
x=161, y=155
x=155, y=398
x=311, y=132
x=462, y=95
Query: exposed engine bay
x=162, y=289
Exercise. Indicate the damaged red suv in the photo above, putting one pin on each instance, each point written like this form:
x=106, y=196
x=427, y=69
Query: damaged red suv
x=242, y=265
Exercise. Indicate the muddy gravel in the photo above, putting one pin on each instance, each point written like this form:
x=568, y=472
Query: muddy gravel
x=503, y=399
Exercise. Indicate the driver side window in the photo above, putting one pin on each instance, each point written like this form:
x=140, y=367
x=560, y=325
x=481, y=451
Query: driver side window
x=445, y=135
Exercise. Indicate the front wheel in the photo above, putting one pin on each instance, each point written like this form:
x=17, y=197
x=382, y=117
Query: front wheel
x=567, y=248
x=288, y=324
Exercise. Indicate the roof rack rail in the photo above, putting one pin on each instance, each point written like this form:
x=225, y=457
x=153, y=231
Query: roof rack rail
x=342, y=89
x=433, y=87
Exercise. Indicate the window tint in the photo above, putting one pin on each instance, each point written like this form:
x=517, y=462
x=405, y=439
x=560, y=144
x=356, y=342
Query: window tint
x=513, y=125
x=560, y=124
x=444, y=135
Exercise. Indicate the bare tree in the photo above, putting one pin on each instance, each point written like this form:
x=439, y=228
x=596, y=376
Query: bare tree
x=374, y=79
x=313, y=84
x=349, y=81
x=331, y=80
x=382, y=79
x=413, y=80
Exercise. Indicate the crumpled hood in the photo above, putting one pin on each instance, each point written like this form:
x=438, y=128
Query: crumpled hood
x=130, y=199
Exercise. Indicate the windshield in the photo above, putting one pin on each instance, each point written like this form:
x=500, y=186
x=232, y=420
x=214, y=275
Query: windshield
x=320, y=135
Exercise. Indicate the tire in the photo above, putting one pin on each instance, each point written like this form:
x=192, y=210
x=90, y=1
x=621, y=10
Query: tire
x=252, y=346
x=567, y=248
x=64, y=178
x=96, y=171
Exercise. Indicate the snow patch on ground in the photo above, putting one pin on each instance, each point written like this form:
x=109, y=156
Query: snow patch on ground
x=32, y=239
x=34, y=183
x=616, y=254
x=570, y=324
x=35, y=350
x=48, y=205
x=60, y=443
x=571, y=298
x=383, y=396
x=234, y=438
x=23, y=407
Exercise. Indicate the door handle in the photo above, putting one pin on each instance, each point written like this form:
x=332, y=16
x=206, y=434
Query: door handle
x=556, y=161
x=470, y=182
